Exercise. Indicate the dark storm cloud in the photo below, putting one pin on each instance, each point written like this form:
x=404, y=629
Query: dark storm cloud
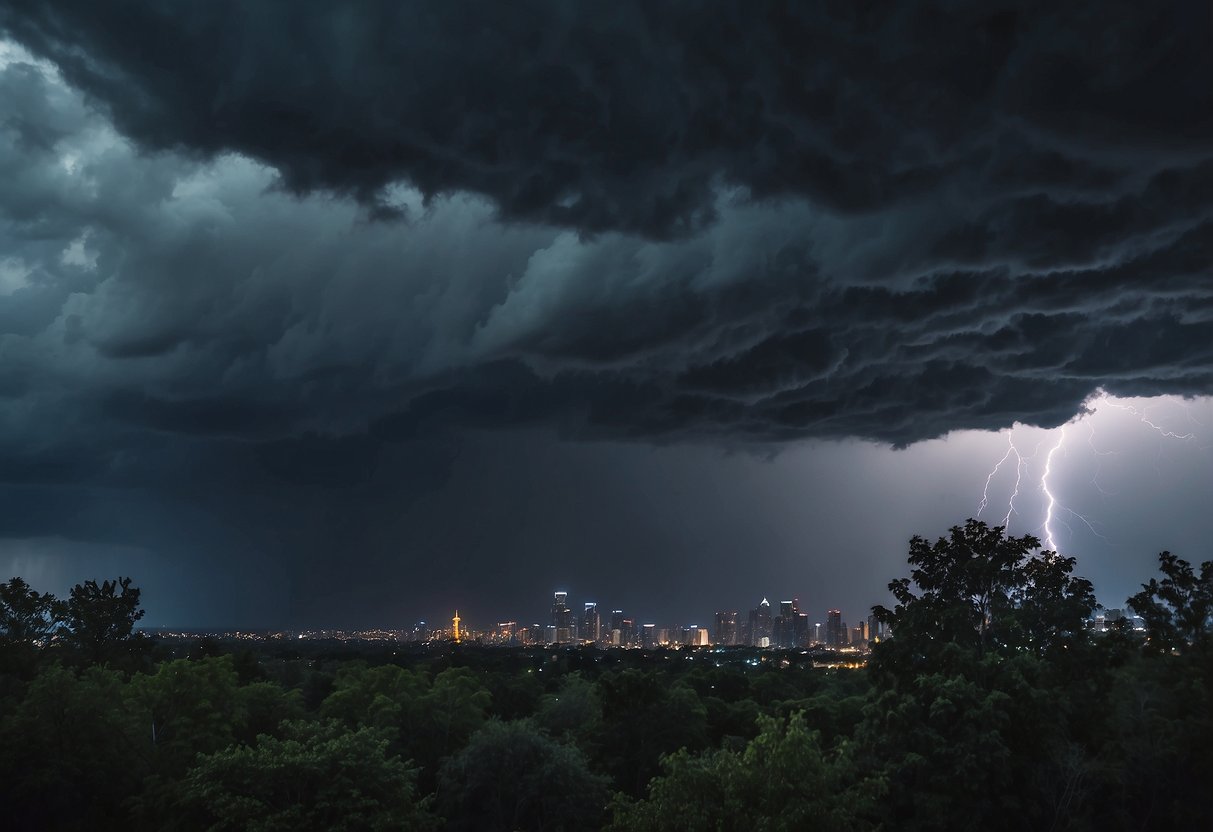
x=804, y=220
x=624, y=115
x=305, y=249
x=1020, y=199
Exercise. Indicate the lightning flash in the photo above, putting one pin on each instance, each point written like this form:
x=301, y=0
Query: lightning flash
x=1055, y=511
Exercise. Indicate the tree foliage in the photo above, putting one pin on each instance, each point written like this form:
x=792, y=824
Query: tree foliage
x=318, y=777
x=782, y=781
x=183, y=709
x=991, y=707
x=642, y=720
x=27, y=616
x=982, y=591
x=67, y=752
x=29, y=622
x=102, y=617
x=512, y=776
x=1178, y=610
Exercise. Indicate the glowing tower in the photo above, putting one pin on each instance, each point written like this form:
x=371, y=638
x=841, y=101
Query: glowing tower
x=456, y=621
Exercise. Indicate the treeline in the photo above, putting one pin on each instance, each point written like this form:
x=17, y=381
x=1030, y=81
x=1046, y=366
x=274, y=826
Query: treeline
x=993, y=707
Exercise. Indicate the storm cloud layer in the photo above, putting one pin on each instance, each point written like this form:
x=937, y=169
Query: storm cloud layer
x=308, y=246
x=758, y=223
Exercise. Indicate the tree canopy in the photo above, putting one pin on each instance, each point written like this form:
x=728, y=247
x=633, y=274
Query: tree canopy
x=981, y=590
x=511, y=775
x=102, y=617
x=993, y=706
x=1178, y=610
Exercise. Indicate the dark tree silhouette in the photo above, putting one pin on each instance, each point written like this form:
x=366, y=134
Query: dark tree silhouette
x=964, y=581
x=983, y=592
x=1050, y=607
x=781, y=781
x=102, y=616
x=29, y=622
x=1178, y=610
x=27, y=616
x=511, y=775
x=320, y=776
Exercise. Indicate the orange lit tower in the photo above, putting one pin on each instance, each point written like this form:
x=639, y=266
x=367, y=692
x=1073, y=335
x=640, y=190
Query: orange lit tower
x=456, y=621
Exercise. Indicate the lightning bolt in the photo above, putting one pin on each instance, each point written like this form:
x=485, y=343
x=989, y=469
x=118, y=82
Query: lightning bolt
x=1105, y=399
x=1051, y=501
x=1052, y=505
x=1020, y=462
x=1055, y=511
x=1099, y=463
x=994, y=472
x=1128, y=408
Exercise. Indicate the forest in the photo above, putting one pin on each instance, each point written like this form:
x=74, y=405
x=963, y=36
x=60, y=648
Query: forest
x=993, y=706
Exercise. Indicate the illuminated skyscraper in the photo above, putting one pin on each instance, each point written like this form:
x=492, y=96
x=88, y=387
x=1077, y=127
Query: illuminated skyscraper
x=760, y=624
x=619, y=629
x=835, y=636
x=800, y=629
x=783, y=629
x=726, y=628
x=564, y=628
x=874, y=629
x=591, y=623
x=628, y=636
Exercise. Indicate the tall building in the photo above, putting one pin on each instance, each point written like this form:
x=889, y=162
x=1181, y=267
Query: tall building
x=800, y=630
x=835, y=635
x=726, y=628
x=787, y=629
x=563, y=629
x=591, y=623
x=760, y=624
x=616, y=634
x=875, y=629
x=421, y=632
x=531, y=635
x=648, y=636
x=628, y=636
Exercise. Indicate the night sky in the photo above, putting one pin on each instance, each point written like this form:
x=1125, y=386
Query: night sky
x=350, y=314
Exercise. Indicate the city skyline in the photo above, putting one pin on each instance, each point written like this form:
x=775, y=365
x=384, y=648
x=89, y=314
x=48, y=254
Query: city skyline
x=482, y=621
